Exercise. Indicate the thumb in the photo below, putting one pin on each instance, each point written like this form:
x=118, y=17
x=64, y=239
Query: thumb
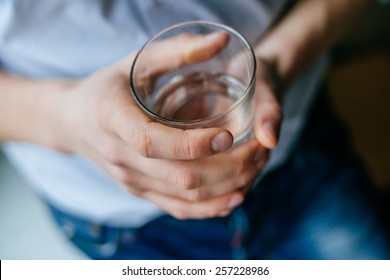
x=172, y=53
x=268, y=112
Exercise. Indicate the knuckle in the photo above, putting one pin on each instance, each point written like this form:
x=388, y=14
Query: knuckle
x=129, y=179
x=143, y=144
x=194, y=151
x=124, y=177
x=111, y=151
x=133, y=191
x=186, y=179
x=190, y=149
x=120, y=176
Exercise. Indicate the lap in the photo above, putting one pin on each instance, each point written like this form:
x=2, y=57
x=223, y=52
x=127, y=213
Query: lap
x=318, y=205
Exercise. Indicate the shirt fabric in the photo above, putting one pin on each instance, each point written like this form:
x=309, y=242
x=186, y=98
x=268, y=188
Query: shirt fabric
x=72, y=39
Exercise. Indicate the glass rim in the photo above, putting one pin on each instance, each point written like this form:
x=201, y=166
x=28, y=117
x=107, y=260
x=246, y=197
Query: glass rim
x=192, y=123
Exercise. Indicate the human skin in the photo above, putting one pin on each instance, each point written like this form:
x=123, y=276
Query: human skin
x=187, y=173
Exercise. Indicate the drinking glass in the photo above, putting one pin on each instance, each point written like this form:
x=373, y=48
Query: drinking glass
x=216, y=92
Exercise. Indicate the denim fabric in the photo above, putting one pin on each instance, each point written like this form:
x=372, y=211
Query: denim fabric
x=318, y=205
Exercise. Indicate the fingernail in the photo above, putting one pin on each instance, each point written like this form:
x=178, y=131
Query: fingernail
x=234, y=201
x=221, y=142
x=270, y=131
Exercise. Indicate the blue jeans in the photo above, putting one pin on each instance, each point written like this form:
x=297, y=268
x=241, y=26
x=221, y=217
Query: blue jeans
x=318, y=205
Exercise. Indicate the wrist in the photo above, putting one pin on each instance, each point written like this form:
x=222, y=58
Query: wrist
x=30, y=110
x=45, y=123
x=281, y=60
x=308, y=30
x=54, y=106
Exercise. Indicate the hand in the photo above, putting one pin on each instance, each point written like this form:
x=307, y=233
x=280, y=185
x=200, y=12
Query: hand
x=181, y=171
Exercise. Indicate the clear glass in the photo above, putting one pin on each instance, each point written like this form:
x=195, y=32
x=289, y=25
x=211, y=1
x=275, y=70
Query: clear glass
x=217, y=92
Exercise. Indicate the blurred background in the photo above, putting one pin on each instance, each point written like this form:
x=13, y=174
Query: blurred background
x=359, y=85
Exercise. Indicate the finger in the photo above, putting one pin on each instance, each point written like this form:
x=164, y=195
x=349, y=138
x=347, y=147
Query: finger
x=207, y=171
x=131, y=178
x=133, y=171
x=186, y=175
x=172, y=201
x=241, y=182
x=236, y=183
x=173, y=53
x=182, y=209
x=268, y=114
x=177, y=51
x=154, y=140
x=136, y=183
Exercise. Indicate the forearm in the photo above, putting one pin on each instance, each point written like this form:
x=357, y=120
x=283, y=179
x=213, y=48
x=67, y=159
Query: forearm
x=310, y=28
x=30, y=110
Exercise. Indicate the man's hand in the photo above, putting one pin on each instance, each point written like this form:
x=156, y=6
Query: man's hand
x=307, y=30
x=184, y=172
